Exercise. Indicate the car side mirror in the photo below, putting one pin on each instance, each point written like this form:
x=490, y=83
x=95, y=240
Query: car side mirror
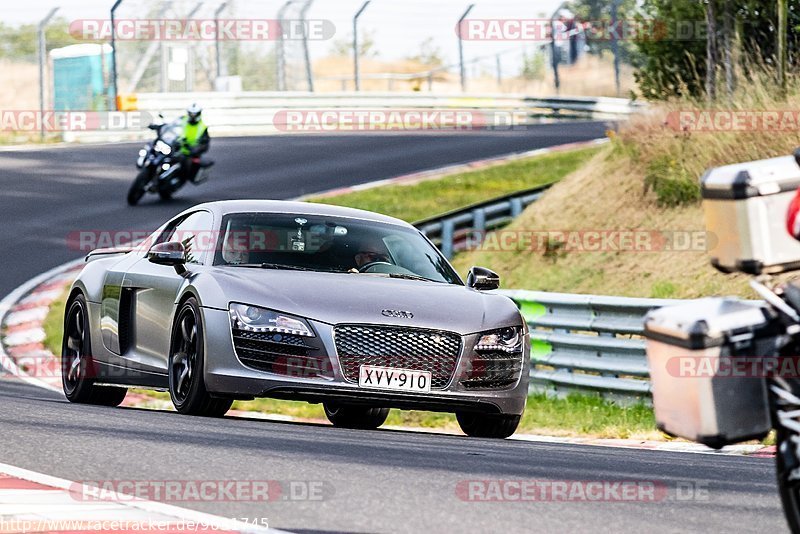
x=483, y=279
x=171, y=253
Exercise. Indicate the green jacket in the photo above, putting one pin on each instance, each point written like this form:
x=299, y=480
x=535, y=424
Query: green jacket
x=195, y=137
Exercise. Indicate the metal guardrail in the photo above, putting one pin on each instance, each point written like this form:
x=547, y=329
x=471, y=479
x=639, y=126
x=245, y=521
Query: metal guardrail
x=460, y=229
x=587, y=343
x=259, y=108
x=265, y=112
x=579, y=343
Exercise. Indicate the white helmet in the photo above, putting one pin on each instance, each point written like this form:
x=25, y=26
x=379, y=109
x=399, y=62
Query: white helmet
x=193, y=113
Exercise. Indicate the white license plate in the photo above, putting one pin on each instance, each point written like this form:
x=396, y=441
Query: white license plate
x=370, y=376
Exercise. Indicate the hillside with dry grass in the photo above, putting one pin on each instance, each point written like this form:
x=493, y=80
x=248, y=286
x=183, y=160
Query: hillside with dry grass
x=646, y=182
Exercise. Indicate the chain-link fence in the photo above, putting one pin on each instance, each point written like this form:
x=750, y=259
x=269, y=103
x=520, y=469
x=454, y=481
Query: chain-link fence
x=414, y=45
x=308, y=45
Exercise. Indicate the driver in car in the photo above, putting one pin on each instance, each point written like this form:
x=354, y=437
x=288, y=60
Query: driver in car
x=235, y=249
x=371, y=251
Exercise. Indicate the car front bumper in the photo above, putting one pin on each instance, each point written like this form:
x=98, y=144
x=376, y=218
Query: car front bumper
x=225, y=375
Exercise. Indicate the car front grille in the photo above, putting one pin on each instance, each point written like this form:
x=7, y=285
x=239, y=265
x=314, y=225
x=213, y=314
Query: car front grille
x=493, y=370
x=283, y=354
x=397, y=347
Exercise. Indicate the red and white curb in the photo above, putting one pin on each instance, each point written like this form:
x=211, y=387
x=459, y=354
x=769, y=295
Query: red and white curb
x=752, y=450
x=441, y=172
x=32, y=502
x=22, y=314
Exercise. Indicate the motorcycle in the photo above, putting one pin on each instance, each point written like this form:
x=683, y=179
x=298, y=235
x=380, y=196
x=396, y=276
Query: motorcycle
x=161, y=164
x=726, y=370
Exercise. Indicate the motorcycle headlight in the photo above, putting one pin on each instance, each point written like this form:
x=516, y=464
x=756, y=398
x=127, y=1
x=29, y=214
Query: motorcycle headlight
x=163, y=147
x=257, y=319
x=504, y=340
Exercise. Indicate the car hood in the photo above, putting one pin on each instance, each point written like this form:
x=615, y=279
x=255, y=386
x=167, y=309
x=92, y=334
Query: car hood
x=337, y=298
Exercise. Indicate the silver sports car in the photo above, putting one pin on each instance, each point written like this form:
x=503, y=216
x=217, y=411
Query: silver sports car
x=244, y=299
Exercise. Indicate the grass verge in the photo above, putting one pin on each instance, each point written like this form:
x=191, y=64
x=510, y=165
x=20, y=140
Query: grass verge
x=608, y=196
x=54, y=324
x=416, y=201
x=573, y=416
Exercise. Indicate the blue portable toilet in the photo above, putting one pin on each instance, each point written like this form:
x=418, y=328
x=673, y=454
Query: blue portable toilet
x=81, y=77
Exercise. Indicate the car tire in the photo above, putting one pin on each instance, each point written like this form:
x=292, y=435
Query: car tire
x=360, y=417
x=77, y=367
x=136, y=191
x=482, y=425
x=107, y=396
x=187, y=387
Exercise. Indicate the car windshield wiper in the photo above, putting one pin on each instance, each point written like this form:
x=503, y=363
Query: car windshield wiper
x=406, y=276
x=282, y=266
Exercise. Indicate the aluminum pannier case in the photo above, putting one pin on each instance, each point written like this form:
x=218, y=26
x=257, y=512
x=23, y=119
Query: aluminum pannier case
x=745, y=209
x=701, y=391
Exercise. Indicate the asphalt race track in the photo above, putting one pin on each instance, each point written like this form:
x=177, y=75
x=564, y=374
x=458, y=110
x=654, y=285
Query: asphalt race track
x=47, y=194
x=373, y=481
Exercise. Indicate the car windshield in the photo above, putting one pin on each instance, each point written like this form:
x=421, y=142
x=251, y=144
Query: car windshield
x=329, y=244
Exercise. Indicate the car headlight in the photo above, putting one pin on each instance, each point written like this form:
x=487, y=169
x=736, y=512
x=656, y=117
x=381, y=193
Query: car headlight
x=257, y=319
x=504, y=339
x=163, y=147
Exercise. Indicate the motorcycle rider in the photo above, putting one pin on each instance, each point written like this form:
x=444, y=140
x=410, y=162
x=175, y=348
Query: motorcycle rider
x=196, y=141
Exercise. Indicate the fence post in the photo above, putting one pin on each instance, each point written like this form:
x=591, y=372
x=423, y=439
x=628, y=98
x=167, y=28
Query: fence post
x=42, y=61
x=114, y=54
x=448, y=229
x=554, y=48
x=516, y=207
x=615, y=42
x=356, y=73
x=306, y=53
x=217, y=13
x=479, y=219
x=461, y=49
x=280, y=60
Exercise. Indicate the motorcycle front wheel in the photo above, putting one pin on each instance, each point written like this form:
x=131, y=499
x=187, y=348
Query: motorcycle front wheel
x=136, y=192
x=785, y=403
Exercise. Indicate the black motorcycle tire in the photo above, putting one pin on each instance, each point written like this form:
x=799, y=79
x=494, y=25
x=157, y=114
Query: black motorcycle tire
x=789, y=492
x=136, y=192
x=786, y=460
